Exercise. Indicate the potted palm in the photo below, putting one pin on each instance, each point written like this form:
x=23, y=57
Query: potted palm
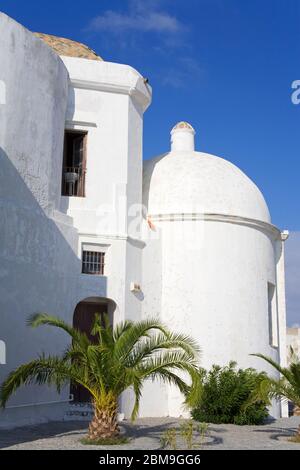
x=122, y=357
x=71, y=177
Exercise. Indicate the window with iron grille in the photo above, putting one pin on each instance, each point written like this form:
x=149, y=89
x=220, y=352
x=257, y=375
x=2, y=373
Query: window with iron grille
x=93, y=262
x=74, y=164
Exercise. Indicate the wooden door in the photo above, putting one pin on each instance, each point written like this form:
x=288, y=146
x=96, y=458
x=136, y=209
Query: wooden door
x=83, y=320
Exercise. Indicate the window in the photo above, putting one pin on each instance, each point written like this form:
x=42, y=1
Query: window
x=93, y=257
x=74, y=164
x=93, y=262
x=272, y=315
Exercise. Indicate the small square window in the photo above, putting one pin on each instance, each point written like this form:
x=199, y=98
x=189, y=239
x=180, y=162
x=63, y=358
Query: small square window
x=93, y=262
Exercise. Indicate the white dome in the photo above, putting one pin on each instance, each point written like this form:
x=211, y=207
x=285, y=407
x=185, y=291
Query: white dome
x=185, y=181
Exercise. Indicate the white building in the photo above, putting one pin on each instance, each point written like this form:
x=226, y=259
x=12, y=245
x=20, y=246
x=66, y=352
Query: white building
x=203, y=255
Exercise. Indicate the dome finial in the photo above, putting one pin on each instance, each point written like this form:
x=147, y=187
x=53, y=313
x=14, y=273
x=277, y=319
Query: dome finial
x=182, y=137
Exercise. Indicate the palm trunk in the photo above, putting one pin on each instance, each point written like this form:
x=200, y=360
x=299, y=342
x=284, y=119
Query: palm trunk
x=104, y=423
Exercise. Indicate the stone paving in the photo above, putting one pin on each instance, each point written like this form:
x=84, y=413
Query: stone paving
x=145, y=435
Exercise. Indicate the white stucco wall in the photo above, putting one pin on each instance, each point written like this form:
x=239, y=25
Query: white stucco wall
x=155, y=395
x=205, y=266
x=219, y=252
x=108, y=101
x=38, y=244
x=43, y=232
x=105, y=100
x=215, y=290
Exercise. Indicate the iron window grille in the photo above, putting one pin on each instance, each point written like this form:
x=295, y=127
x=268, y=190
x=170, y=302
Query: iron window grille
x=74, y=164
x=93, y=262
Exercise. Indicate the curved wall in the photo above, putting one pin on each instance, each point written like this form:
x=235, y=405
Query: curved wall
x=188, y=181
x=220, y=260
x=215, y=277
x=217, y=291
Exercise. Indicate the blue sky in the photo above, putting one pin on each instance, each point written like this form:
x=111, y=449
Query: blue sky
x=226, y=66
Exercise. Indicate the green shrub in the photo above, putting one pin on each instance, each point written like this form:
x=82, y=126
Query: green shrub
x=225, y=396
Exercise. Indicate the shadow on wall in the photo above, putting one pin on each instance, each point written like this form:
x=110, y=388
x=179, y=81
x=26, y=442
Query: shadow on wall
x=65, y=201
x=39, y=272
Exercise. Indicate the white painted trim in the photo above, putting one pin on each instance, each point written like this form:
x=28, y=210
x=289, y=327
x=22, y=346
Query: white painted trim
x=136, y=94
x=281, y=312
x=97, y=247
x=112, y=236
x=72, y=124
x=233, y=219
x=100, y=86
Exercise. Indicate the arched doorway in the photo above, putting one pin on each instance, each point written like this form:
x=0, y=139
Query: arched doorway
x=83, y=320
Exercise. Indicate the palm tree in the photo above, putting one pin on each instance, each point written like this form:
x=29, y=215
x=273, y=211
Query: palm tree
x=287, y=386
x=121, y=357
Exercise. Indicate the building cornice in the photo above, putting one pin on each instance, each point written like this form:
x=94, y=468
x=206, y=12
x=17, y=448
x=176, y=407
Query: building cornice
x=225, y=218
x=141, y=98
x=72, y=124
x=113, y=236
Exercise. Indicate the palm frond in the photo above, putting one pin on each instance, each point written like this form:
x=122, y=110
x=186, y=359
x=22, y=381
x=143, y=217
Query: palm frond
x=195, y=390
x=282, y=370
x=120, y=329
x=39, y=319
x=176, y=360
x=161, y=342
x=118, y=358
x=137, y=388
x=184, y=342
x=102, y=328
x=130, y=336
x=288, y=385
x=169, y=377
x=44, y=370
